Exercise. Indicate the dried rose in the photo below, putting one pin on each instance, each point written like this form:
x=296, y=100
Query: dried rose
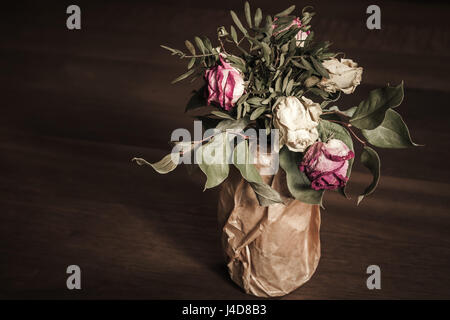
x=297, y=121
x=326, y=164
x=225, y=84
x=345, y=75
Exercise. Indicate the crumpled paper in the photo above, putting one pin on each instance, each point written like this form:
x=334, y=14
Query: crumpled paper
x=270, y=251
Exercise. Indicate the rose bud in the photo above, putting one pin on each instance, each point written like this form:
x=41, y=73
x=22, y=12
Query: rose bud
x=225, y=84
x=344, y=76
x=297, y=121
x=326, y=164
x=301, y=35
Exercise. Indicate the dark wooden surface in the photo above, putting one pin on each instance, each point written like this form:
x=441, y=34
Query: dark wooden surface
x=78, y=105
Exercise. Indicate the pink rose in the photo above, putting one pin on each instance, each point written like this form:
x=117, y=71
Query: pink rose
x=301, y=35
x=225, y=84
x=326, y=164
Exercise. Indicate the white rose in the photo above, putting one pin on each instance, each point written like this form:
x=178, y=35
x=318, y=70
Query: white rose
x=297, y=121
x=344, y=75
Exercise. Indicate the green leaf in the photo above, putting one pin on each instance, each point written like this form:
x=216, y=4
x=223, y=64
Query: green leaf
x=258, y=111
x=212, y=158
x=289, y=87
x=282, y=60
x=248, y=15
x=391, y=133
x=165, y=165
x=255, y=100
x=268, y=26
x=239, y=124
x=297, y=64
x=319, y=68
x=278, y=85
x=266, y=51
x=239, y=111
x=287, y=35
x=331, y=130
x=306, y=64
x=306, y=17
x=265, y=194
x=190, y=47
x=191, y=63
x=197, y=100
x=200, y=44
x=174, y=51
x=309, y=39
x=284, y=21
x=267, y=101
x=238, y=22
x=237, y=62
x=246, y=108
x=286, y=80
x=207, y=44
x=292, y=46
x=282, y=25
x=234, y=34
x=243, y=161
x=243, y=98
x=371, y=160
x=371, y=112
x=297, y=182
x=183, y=76
x=258, y=17
x=285, y=12
x=221, y=114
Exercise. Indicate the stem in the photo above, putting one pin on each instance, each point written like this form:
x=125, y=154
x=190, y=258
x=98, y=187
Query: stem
x=348, y=126
x=277, y=59
x=354, y=134
x=242, y=50
x=336, y=112
x=203, y=140
x=241, y=134
x=305, y=55
x=199, y=55
x=222, y=45
x=345, y=124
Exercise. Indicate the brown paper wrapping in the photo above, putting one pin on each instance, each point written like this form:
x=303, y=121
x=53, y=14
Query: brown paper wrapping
x=273, y=250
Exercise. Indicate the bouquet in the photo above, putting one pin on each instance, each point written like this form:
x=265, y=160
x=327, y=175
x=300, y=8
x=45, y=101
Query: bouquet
x=267, y=83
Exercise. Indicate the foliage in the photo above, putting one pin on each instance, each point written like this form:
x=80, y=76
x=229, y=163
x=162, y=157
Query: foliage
x=274, y=64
